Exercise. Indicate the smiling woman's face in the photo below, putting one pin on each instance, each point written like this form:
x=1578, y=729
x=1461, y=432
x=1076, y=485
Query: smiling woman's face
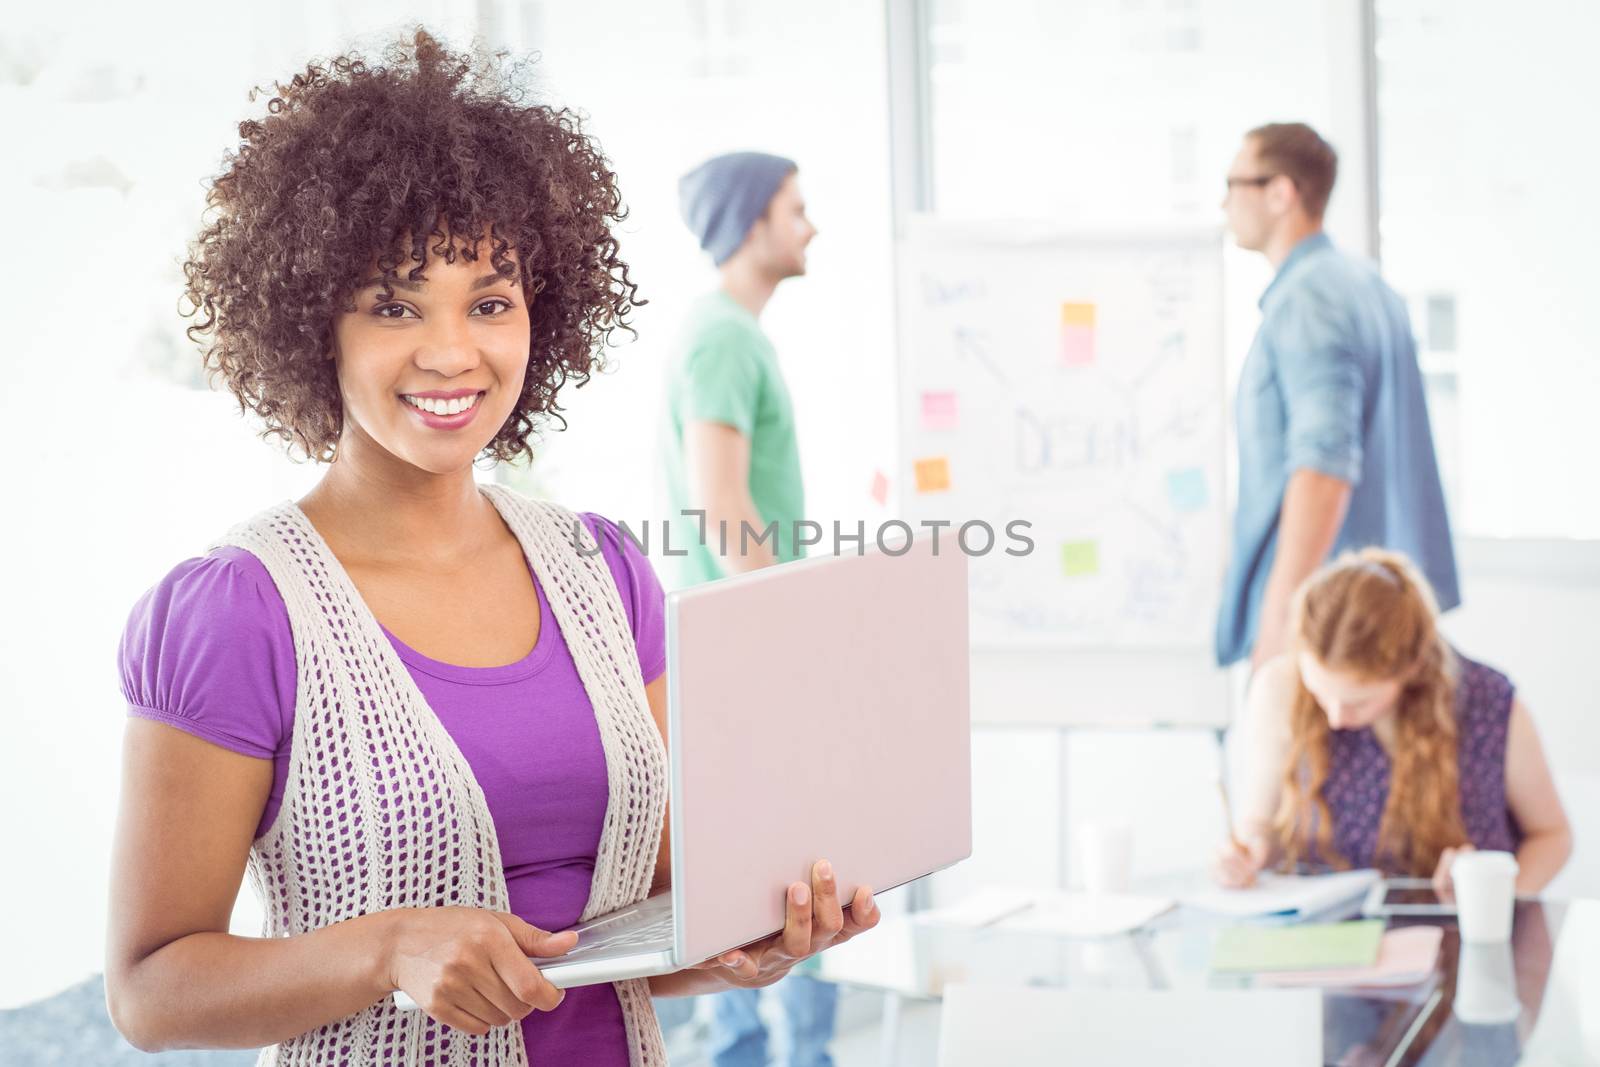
x=432, y=373
x=1349, y=701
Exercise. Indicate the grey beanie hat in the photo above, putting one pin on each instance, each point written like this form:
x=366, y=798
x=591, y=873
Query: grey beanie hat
x=722, y=198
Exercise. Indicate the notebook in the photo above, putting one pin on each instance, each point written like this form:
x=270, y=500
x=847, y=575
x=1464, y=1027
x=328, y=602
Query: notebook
x=1308, y=947
x=1285, y=896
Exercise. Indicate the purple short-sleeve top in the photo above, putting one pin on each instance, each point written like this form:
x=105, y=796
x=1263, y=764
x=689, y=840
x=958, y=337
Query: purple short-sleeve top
x=208, y=650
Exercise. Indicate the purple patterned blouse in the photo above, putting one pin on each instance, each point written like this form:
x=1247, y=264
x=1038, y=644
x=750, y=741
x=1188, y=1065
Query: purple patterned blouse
x=1358, y=774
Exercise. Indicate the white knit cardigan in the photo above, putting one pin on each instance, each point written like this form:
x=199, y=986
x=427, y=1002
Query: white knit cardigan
x=380, y=809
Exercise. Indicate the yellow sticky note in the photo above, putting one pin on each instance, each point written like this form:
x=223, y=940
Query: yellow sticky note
x=1077, y=314
x=933, y=474
x=1080, y=558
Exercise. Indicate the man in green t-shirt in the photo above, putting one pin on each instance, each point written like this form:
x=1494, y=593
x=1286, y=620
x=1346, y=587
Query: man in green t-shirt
x=731, y=452
x=730, y=448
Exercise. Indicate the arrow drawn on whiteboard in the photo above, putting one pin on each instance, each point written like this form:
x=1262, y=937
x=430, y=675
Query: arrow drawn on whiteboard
x=1169, y=534
x=1172, y=348
x=971, y=343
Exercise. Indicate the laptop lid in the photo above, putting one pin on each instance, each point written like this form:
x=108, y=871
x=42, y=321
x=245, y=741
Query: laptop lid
x=817, y=710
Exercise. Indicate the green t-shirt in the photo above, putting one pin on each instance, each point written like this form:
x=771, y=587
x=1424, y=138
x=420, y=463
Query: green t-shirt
x=725, y=370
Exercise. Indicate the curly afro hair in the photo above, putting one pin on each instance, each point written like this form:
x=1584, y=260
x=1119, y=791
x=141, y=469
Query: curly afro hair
x=425, y=152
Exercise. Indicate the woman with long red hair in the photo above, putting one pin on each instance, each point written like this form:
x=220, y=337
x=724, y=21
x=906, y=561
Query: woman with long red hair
x=1373, y=743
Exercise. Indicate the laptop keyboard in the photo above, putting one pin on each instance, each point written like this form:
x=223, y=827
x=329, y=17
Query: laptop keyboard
x=643, y=927
x=616, y=932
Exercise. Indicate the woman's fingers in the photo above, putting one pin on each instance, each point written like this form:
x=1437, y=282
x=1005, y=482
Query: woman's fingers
x=1442, y=884
x=534, y=941
x=1441, y=872
x=868, y=918
x=457, y=1019
x=863, y=913
x=469, y=968
x=827, y=914
x=522, y=982
x=1236, y=866
x=516, y=986
x=795, y=941
x=473, y=1003
x=814, y=918
x=740, y=965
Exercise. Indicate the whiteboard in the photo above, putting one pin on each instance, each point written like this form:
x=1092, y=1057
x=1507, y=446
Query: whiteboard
x=1072, y=381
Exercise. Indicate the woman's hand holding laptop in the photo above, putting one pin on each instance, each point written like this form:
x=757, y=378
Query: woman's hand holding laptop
x=814, y=920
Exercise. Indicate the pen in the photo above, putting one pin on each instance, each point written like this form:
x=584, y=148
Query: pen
x=1227, y=813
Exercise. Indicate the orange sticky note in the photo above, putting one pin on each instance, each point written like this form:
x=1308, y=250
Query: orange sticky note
x=933, y=474
x=1077, y=334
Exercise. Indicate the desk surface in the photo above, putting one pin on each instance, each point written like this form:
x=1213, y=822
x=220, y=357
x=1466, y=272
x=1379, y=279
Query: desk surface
x=1409, y=1026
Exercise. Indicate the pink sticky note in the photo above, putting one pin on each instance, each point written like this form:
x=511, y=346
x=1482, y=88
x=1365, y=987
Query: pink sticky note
x=880, y=488
x=939, y=411
x=1077, y=345
x=1077, y=334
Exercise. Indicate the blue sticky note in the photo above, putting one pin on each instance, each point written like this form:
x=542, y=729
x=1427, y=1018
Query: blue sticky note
x=1187, y=489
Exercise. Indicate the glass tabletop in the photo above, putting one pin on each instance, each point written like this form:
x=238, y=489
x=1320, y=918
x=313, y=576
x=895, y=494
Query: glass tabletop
x=1478, y=1007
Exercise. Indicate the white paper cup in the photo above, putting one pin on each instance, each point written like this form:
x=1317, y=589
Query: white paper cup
x=1105, y=850
x=1486, y=895
x=1486, y=985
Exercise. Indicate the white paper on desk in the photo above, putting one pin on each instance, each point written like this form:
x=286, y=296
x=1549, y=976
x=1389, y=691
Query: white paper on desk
x=1087, y=914
x=1568, y=1031
x=982, y=908
x=981, y=1026
x=1285, y=894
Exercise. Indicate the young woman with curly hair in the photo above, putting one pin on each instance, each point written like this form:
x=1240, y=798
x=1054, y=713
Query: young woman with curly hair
x=1374, y=744
x=426, y=716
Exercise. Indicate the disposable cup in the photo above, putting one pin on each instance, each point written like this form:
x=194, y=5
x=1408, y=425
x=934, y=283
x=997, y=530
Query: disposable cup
x=1486, y=895
x=1105, y=850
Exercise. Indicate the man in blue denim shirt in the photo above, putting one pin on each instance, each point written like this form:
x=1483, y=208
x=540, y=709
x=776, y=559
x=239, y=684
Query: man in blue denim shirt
x=1335, y=450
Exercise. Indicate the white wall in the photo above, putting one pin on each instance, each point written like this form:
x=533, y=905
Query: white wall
x=1483, y=182
x=747, y=79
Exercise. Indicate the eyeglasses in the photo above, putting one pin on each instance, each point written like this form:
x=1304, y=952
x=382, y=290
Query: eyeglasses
x=1234, y=183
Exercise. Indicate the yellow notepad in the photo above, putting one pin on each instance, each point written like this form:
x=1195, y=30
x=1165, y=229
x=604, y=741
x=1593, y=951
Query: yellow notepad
x=1310, y=947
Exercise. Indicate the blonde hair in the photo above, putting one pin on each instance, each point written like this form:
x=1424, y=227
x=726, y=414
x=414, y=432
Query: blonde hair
x=1370, y=613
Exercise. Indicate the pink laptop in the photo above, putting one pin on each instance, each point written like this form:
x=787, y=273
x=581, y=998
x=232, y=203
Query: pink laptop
x=816, y=710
